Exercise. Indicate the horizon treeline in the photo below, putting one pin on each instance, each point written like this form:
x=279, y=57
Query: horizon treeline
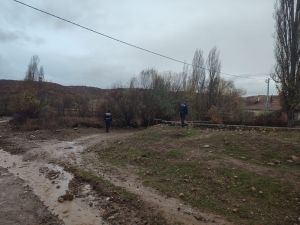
x=152, y=94
x=155, y=94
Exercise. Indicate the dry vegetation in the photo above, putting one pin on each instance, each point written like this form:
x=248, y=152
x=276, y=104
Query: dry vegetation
x=150, y=95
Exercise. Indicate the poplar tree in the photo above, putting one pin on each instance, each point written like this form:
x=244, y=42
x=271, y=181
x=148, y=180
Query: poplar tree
x=287, y=55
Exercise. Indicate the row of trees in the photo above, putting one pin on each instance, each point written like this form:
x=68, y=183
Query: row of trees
x=150, y=95
x=158, y=95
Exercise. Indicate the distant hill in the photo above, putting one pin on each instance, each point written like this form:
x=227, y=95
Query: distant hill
x=91, y=92
x=9, y=87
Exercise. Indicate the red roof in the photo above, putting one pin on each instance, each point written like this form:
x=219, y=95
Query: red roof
x=259, y=103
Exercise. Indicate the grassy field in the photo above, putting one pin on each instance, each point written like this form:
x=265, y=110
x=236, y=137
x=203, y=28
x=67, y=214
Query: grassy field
x=244, y=176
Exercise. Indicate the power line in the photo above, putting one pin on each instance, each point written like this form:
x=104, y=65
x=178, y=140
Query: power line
x=123, y=42
x=262, y=88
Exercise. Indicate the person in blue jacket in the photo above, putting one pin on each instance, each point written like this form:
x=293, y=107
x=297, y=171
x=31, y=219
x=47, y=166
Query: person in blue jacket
x=108, y=119
x=183, y=110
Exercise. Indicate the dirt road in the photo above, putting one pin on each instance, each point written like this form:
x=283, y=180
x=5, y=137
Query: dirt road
x=34, y=187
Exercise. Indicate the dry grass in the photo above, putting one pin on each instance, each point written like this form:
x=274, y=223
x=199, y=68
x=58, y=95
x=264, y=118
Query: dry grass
x=59, y=123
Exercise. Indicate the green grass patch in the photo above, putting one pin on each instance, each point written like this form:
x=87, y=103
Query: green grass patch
x=263, y=149
x=175, y=153
x=178, y=163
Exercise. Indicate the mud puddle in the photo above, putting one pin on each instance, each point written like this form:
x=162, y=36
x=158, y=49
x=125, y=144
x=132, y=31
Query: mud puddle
x=49, y=182
x=67, y=151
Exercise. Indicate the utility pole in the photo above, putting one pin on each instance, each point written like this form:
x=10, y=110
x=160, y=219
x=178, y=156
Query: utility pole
x=267, y=101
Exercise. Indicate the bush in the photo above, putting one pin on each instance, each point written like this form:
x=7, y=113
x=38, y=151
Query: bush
x=275, y=119
x=214, y=116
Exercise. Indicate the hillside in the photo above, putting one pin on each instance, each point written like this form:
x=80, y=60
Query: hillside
x=9, y=87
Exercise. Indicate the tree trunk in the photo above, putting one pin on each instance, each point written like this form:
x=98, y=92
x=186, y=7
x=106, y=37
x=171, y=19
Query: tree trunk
x=290, y=119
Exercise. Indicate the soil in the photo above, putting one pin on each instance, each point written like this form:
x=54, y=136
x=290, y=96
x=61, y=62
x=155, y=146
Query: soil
x=19, y=205
x=40, y=184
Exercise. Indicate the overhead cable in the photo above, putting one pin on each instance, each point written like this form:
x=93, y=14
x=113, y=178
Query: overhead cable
x=123, y=42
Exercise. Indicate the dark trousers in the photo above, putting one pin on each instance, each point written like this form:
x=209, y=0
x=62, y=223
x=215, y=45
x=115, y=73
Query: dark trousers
x=182, y=117
x=107, y=125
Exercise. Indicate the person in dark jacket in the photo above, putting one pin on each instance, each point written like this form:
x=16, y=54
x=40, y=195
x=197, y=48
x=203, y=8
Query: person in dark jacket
x=108, y=119
x=183, y=110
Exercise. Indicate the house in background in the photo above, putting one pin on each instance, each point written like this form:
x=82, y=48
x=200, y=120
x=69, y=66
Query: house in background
x=257, y=105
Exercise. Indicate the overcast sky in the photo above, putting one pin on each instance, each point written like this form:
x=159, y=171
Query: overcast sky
x=241, y=30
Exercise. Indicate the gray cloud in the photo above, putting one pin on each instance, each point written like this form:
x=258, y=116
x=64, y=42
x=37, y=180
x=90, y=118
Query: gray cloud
x=241, y=30
x=8, y=36
x=12, y=36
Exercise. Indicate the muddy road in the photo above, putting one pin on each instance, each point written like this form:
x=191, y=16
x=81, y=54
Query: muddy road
x=38, y=185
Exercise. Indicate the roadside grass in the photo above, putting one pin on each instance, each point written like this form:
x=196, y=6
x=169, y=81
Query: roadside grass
x=260, y=148
x=195, y=163
x=291, y=136
x=175, y=153
x=65, y=134
x=59, y=134
x=90, y=175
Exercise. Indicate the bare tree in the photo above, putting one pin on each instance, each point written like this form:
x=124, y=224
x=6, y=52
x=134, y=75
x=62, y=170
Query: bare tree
x=185, y=74
x=124, y=102
x=231, y=103
x=82, y=105
x=157, y=93
x=149, y=81
x=198, y=72
x=67, y=102
x=174, y=80
x=197, y=81
x=287, y=55
x=32, y=100
x=41, y=74
x=33, y=72
x=213, y=65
